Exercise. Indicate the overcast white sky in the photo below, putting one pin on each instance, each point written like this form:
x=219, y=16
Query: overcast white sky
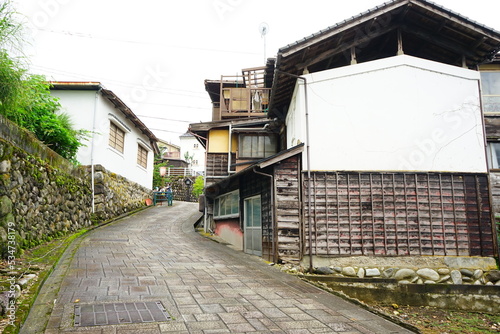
x=155, y=54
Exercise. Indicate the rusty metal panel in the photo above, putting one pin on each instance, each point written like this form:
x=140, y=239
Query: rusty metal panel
x=399, y=214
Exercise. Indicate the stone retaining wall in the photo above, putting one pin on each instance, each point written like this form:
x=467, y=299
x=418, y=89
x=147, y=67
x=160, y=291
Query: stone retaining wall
x=43, y=196
x=39, y=201
x=412, y=269
x=378, y=291
x=181, y=191
x=417, y=276
x=116, y=195
x=446, y=287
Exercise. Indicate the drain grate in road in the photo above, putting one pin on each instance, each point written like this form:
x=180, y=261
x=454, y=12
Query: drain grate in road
x=120, y=313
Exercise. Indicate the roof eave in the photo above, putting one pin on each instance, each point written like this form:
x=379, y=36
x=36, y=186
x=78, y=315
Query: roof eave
x=129, y=114
x=114, y=99
x=263, y=163
x=282, y=90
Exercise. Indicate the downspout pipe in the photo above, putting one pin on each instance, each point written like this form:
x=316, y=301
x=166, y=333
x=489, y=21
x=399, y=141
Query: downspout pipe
x=308, y=161
x=230, y=148
x=92, y=165
x=205, y=213
x=271, y=177
x=206, y=228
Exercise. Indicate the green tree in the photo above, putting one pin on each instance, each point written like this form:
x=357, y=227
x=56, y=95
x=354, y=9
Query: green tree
x=10, y=28
x=158, y=180
x=12, y=70
x=198, y=186
x=55, y=129
x=11, y=86
x=26, y=100
x=188, y=158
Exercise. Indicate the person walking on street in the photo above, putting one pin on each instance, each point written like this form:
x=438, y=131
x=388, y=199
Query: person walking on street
x=170, y=196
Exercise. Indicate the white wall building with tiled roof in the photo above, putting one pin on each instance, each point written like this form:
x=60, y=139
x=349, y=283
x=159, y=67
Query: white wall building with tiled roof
x=118, y=140
x=191, y=146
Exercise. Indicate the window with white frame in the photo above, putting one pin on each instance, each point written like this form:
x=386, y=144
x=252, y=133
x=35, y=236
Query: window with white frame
x=116, y=137
x=195, y=146
x=493, y=158
x=227, y=205
x=142, y=156
x=257, y=145
x=490, y=85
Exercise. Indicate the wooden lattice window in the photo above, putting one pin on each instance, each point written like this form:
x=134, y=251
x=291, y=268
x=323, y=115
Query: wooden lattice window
x=116, y=137
x=142, y=156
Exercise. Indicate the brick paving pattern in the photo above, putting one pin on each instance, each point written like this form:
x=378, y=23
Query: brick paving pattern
x=206, y=287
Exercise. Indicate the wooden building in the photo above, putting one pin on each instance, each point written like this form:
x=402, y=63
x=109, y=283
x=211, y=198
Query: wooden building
x=381, y=143
x=490, y=88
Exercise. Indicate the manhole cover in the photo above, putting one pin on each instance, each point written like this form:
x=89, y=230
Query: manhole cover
x=120, y=313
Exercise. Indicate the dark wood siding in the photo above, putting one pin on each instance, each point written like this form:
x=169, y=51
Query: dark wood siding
x=398, y=214
x=288, y=209
x=216, y=166
x=492, y=126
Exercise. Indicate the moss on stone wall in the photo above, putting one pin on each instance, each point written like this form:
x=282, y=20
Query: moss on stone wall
x=116, y=195
x=39, y=201
x=182, y=192
x=43, y=196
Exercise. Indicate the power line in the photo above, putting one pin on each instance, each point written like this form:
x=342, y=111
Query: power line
x=125, y=84
x=150, y=103
x=163, y=130
x=166, y=119
x=89, y=36
x=172, y=105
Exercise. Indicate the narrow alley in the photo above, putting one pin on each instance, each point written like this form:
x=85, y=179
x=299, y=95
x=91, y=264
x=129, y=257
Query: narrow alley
x=152, y=273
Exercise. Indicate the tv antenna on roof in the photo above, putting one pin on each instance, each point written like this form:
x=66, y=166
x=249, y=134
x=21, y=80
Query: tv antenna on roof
x=264, y=29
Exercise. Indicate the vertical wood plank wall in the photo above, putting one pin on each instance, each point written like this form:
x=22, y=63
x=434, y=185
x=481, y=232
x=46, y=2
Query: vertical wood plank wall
x=399, y=214
x=288, y=209
x=217, y=166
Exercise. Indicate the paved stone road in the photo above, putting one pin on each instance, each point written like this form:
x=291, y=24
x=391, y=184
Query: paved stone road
x=206, y=287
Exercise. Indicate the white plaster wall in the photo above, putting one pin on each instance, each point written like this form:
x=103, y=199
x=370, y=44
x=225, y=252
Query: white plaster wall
x=188, y=145
x=80, y=105
x=396, y=114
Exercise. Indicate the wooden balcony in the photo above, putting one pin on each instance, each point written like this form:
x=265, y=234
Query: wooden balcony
x=172, y=155
x=244, y=102
x=243, y=95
